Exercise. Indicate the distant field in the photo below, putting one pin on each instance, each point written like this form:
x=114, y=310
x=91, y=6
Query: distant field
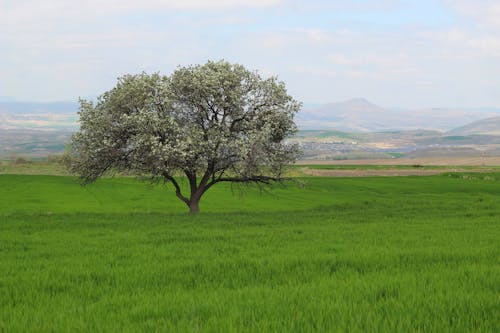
x=387, y=167
x=326, y=254
x=364, y=170
x=352, y=168
x=27, y=167
x=425, y=161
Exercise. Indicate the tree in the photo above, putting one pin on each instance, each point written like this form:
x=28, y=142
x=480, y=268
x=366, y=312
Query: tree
x=211, y=123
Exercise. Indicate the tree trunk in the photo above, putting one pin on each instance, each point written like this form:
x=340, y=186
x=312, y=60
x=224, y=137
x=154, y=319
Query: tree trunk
x=194, y=200
x=194, y=206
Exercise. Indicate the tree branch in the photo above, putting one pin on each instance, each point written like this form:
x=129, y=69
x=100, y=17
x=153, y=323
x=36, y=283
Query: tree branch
x=192, y=180
x=177, y=188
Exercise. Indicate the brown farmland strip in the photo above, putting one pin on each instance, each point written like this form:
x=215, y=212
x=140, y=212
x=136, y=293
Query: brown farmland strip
x=451, y=161
x=371, y=173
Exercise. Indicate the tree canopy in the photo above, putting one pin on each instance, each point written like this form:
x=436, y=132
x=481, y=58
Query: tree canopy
x=210, y=123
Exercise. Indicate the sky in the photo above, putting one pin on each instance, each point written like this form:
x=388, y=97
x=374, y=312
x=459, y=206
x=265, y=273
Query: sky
x=395, y=53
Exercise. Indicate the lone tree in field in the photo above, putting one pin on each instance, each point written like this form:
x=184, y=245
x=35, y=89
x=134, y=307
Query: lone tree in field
x=210, y=123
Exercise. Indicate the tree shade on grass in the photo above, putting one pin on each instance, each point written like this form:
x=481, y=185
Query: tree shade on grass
x=366, y=254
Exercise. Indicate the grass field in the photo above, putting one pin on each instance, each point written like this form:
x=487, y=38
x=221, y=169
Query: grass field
x=378, y=254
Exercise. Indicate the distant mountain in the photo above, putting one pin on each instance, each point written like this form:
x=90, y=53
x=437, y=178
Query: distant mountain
x=489, y=126
x=360, y=115
x=354, y=115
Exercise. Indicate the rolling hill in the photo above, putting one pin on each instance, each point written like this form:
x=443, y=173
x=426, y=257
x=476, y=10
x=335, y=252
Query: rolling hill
x=488, y=126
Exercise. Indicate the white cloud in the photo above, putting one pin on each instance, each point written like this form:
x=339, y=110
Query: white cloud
x=484, y=13
x=20, y=17
x=54, y=8
x=458, y=42
x=286, y=39
x=343, y=5
x=411, y=66
x=68, y=48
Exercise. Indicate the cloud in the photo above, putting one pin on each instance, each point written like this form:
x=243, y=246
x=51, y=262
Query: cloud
x=342, y=5
x=59, y=8
x=324, y=50
x=483, y=13
x=30, y=18
x=284, y=39
x=458, y=42
x=419, y=66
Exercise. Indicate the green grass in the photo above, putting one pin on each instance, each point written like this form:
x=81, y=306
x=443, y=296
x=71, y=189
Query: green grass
x=380, y=254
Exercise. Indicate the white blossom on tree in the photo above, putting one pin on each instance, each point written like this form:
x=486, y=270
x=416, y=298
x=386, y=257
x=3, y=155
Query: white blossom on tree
x=211, y=123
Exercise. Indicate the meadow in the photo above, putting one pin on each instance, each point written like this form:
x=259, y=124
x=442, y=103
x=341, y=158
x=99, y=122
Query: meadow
x=380, y=254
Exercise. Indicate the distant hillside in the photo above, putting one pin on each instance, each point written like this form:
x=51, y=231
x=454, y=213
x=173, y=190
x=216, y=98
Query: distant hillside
x=355, y=115
x=360, y=115
x=489, y=126
x=337, y=145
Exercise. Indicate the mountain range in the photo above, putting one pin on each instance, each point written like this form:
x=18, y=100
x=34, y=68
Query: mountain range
x=354, y=115
x=360, y=115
